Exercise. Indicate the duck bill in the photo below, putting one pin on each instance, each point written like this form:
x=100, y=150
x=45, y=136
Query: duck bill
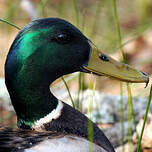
x=102, y=64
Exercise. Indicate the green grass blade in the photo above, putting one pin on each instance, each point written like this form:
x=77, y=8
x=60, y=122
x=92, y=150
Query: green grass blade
x=68, y=91
x=10, y=11
x=129, y=115
x=97, y=15
x=41, y=6
x=90, y=123
x=90, y=135
x=76, y=12
x=122, y=116
x=81, y=84
x=134, y=118
x=60, y=8
x=145, y=118
x=144, y=6
x=123, y=59
x=83, y=20
x=146, y=28
x=130, y=106
x=118, y=29
x=9, y=23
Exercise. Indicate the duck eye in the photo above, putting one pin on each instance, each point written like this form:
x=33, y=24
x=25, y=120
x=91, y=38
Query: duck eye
x=103, y=57
x=63, y=38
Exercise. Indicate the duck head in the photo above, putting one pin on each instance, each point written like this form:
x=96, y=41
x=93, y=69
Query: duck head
x=55, y=47
x=46, y=49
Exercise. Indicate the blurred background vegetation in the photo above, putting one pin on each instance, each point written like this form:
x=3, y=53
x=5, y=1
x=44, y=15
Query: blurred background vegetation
x=95, y=18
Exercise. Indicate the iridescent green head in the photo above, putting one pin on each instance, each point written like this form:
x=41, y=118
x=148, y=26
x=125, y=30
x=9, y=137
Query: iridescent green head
x=44, y=50
x=52, y=46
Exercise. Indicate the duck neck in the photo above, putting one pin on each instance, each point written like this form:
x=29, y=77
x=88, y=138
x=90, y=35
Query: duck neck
x=31, y=96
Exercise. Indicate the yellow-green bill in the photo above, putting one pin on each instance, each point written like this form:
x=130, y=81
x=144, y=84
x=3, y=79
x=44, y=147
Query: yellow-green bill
x=102, y=64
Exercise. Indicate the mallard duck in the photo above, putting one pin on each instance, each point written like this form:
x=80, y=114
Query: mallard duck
x=44, y=50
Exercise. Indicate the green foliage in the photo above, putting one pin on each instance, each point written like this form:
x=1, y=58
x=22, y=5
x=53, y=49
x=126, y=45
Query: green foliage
x=145, y=118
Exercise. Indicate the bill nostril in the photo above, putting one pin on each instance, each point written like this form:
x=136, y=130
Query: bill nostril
x=103, y=57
